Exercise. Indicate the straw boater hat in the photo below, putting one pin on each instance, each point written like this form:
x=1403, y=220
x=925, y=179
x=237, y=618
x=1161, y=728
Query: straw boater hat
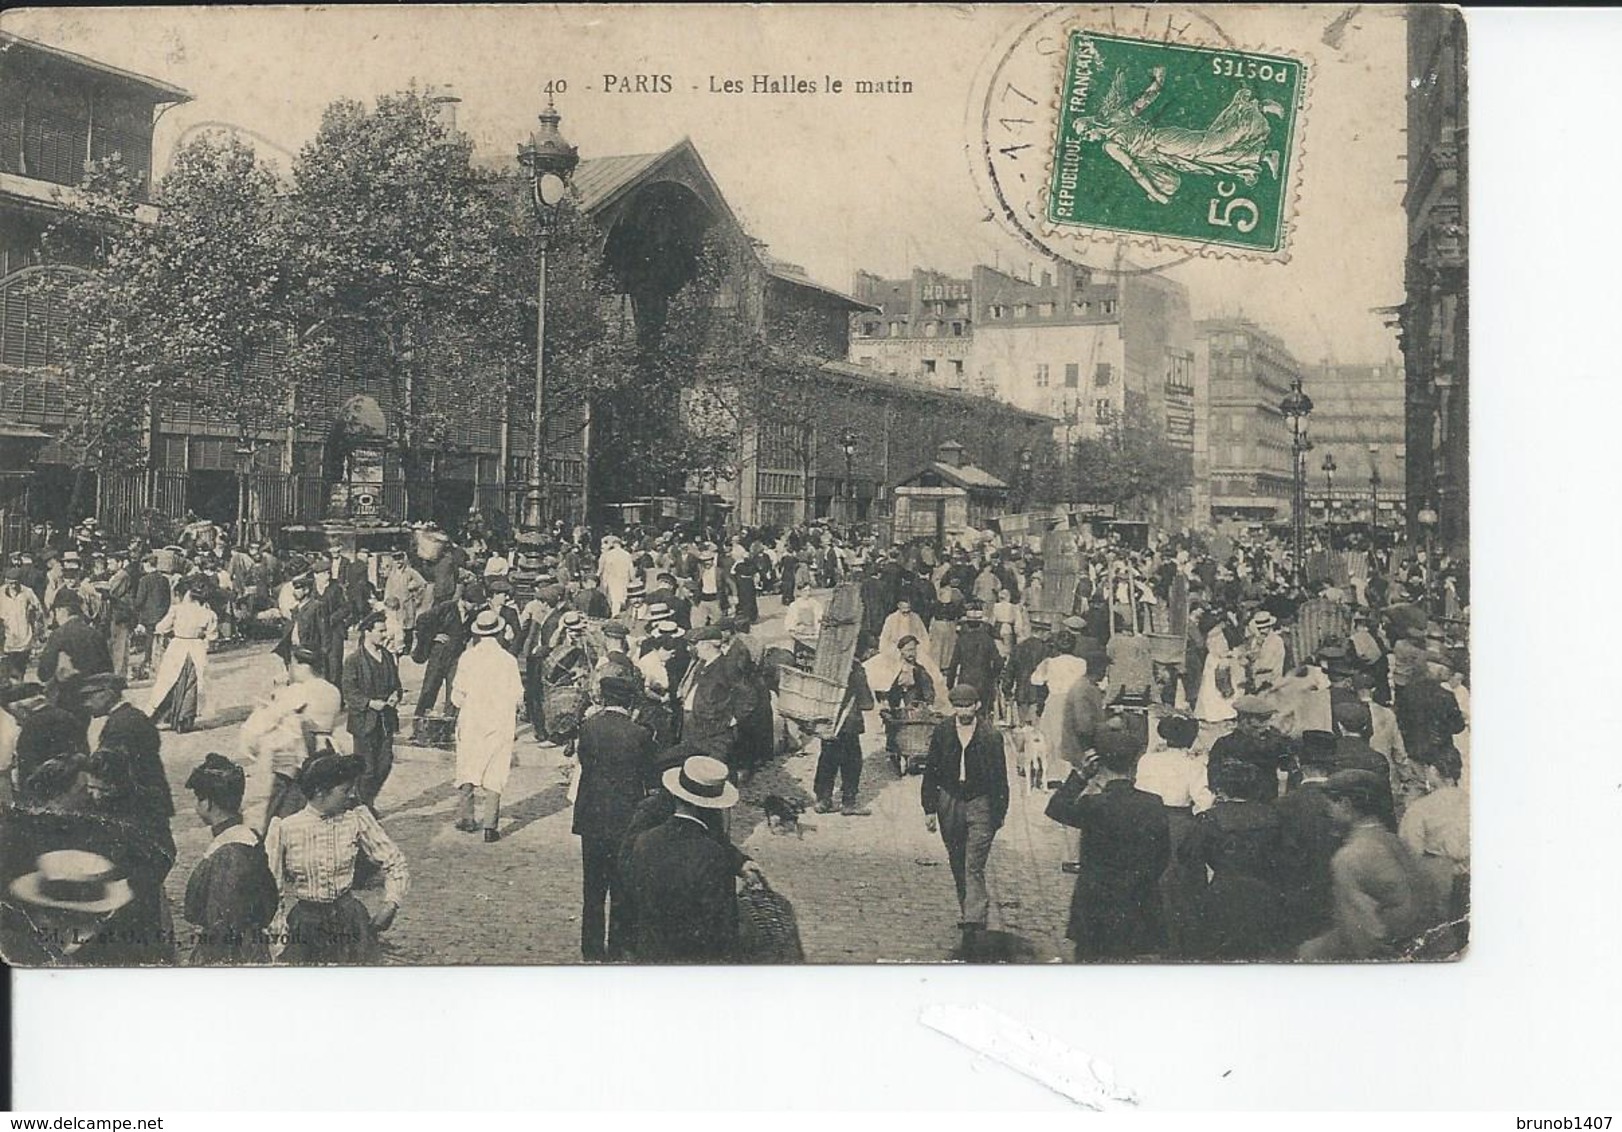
x=659, y=611
x=75, y=881
x=666, y=629
x=487, y=624
x=702, y=781
x=636, y=587
x=1263, y=620
x=574, y=621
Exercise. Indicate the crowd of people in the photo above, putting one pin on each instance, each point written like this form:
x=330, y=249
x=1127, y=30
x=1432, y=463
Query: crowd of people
x=1234, y=802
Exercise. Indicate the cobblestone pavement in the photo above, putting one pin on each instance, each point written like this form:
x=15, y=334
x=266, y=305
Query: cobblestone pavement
x=865, y=889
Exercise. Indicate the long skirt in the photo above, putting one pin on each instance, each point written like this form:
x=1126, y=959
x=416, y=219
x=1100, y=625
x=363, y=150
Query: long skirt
x=178, y=707
x=943, y=641
x=340, y=932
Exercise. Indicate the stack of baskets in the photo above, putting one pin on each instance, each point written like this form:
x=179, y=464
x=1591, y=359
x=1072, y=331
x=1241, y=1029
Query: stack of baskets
x=809, y=699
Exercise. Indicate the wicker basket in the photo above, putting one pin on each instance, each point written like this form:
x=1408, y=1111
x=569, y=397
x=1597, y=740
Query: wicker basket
x=912, y=735
x=563, y=707
x=429, y=545
x=807, y=697
x=1167, y=648
x=768, y=930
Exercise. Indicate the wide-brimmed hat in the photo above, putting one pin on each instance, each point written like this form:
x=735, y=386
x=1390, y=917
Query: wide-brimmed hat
x=103, y=682
x=73, y=880
x=702, y=781
x=487, y=624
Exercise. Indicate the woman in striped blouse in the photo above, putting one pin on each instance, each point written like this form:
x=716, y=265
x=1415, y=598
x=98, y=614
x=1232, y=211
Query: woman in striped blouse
x=312, y=855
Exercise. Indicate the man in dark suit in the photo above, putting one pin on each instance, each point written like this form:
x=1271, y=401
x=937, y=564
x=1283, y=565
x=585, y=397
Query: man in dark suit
x=329, y=596
x=712, y=698
x=681, y=876
x=75, y=649
x=371, y=690
x=667, y=591
x=118, y=726
x=153, y=596
x=1309, y=835
x=616, y=772
x=442, y=634
x=965, y=796
x=976, y=661
x=1115, y=910
x=306, y=628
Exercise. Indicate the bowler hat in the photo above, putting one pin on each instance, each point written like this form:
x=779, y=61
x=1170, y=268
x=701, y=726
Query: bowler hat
x=705, y=633
x=1363, y=788
x=103, y=682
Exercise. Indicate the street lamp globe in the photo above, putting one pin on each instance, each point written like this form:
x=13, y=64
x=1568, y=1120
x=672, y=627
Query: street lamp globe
x=1427, y=517
x=549, y=159
x=847, y=441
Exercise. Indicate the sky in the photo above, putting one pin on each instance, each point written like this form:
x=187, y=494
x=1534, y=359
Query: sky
x=835, y=183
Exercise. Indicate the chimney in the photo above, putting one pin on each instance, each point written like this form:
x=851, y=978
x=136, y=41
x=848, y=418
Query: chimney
x=444, y=101
x=950, y=453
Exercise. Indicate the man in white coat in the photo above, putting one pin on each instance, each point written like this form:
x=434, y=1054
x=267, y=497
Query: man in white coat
x=487, y=693
x=615, y=567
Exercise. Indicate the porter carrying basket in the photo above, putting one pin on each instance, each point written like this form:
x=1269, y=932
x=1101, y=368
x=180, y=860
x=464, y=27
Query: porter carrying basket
x=808, y=698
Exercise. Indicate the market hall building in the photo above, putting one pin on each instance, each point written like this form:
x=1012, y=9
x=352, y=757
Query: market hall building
x=869, y=430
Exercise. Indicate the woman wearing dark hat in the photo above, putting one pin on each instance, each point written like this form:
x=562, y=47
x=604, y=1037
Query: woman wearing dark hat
x=312, y=855
x=231, y=897
x=1237, y=843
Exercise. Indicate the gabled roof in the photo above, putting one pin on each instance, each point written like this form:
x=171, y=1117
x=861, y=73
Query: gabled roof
x=966, y=476
x=598, y=179
x=156, y=89
x=794, y=279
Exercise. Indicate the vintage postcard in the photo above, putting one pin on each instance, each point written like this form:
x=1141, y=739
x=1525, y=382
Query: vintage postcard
x=493, y=485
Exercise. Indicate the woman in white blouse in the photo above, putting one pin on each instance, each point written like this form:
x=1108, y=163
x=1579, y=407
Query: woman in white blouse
x=177, y=688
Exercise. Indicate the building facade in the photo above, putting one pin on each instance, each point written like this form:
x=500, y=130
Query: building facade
x=1248, y=371
x=1357, y=423
x=655, y=212
x=922, y=327
x=1435, y=315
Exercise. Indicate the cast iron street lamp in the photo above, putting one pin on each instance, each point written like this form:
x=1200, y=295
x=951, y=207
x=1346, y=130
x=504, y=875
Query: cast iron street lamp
x=1427, y=519
x=1296, y=407
x=1374, y=488
x=549, y=161
x=847, y=442
x=1025, y=477
x=1329, y=488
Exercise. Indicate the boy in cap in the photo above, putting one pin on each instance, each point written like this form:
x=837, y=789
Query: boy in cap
x=965, y=796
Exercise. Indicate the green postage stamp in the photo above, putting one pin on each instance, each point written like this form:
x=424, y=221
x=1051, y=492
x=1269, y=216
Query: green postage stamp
x=1177, y=143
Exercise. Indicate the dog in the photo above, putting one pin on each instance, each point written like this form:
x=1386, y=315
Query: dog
x=1032, y=755
x=782, y=815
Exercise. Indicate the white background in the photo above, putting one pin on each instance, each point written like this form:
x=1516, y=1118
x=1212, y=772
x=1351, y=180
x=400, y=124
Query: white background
x=1529, y=1021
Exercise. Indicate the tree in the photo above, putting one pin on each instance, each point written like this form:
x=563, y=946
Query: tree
x=428, y=262
x=1129, y=464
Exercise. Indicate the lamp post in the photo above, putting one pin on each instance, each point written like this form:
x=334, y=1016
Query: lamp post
x=847, y=443
x=1025, y=476
x=1374, y=490
x=1427, y=519
x=549, y=160
x=1296, y=407
x=1329, y=489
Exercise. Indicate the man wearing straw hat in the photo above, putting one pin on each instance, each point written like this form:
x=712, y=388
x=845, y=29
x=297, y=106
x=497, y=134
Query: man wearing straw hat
x=487, y=693
x=682, y=877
